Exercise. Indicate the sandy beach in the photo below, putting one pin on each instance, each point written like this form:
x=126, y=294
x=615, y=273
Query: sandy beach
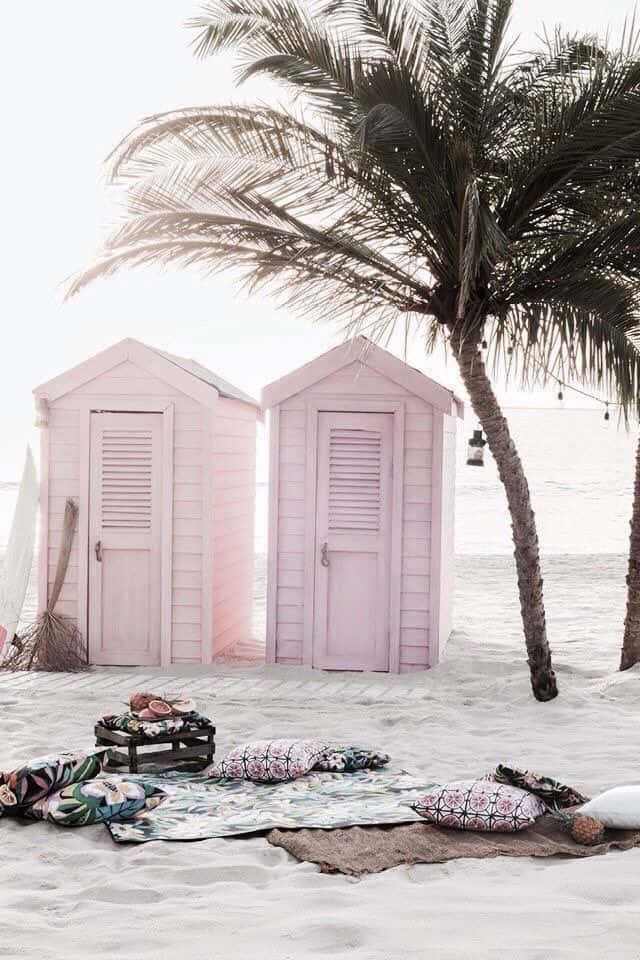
x=74, y=893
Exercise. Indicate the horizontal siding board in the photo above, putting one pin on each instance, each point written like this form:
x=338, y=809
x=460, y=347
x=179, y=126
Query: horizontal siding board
x=292, y=419
x=415, y=584
x=290, y=543
x=187, y=562
x=291, y=525
x=291, y=561
x=183, y=597
x=291, y=508
x=289, y=595
x=416, y=656
x=416, y=548
x=187, y=651
x=233, y=444
x=294, y=455
x=292, y=436
x=64, y=417
x=414, y=637
x=292, y=472
x=186, y=631
x=187, y=527
x=186, y=579
x=290, y=613
x=187, y=456
x=418, y=440
x=228, y=427
x=186, y=614
x=291, y=578
x=417, y=512
x=290, y=649
x=414, y=601
x=291, y=491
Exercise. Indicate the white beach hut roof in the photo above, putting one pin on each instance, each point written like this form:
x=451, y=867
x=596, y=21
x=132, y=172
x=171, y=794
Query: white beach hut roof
x=187, y=375
x=362, y=350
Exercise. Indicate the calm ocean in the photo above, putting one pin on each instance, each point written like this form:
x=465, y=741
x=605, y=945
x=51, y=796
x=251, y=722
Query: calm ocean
x=581, y=477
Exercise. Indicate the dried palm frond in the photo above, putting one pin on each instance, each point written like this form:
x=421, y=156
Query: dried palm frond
x=52, y=642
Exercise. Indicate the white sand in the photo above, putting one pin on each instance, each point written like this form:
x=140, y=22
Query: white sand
x=75, y=894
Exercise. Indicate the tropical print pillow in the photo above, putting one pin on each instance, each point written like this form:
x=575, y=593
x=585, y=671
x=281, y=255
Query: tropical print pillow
x=96, y=801
x=269, y=761
x=349, y=759
x=23, y=787
x=480, y=805
x=553, y=792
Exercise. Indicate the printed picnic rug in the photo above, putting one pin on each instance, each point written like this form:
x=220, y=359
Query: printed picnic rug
x=198, y=807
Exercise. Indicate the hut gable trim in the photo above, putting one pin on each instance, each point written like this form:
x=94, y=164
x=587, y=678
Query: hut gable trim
x=366, y=352
x=224, y=388
x=178, y=373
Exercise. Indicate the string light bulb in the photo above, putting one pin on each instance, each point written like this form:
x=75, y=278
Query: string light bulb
x=607, y=415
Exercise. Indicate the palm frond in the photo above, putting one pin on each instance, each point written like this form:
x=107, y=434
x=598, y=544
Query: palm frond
x=420, y=170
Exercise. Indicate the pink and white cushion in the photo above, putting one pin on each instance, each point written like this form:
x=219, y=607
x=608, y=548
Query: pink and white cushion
x=480, y=805
x=269, y=761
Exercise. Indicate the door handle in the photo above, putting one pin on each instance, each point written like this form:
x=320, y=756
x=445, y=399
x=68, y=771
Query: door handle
x=98, y=549
x=324, y=554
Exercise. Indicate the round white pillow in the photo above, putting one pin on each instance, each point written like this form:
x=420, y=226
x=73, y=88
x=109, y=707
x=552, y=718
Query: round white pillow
x=618, y=808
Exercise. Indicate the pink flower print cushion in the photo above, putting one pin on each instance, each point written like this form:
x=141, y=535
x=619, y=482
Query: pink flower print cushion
x=480, y=805
x=269, y=761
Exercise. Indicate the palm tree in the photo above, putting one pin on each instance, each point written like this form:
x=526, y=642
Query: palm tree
x=630, y=654
x=418, y=170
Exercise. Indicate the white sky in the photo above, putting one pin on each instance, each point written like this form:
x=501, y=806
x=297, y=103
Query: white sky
x=76, y=76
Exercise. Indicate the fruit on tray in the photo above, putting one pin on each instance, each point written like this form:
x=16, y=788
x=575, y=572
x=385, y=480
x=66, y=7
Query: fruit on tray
x=183, y=706
x=139, y=700
x=160, y=708
x=147, y=714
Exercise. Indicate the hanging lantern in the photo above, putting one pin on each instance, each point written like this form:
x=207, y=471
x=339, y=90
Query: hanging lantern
x=607, y=415
x=475, y=450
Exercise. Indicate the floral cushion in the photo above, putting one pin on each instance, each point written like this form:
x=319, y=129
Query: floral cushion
x=480, y=805
x=553, y=792
x=23, y=787
x=269, y=761
x=349, y=759
x=96, y=801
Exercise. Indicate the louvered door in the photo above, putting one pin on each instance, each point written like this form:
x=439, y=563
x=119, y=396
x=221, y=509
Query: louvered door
x=353, y=527
x=124, y=538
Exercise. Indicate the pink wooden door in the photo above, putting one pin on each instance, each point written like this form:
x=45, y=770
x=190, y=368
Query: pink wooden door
x=124, y=538
x=353, y=537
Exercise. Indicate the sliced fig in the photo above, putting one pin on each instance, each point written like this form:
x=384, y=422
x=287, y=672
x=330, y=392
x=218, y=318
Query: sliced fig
x=160, y=708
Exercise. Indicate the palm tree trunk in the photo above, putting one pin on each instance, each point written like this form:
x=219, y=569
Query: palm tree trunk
x=523, y=523
x=631, y=642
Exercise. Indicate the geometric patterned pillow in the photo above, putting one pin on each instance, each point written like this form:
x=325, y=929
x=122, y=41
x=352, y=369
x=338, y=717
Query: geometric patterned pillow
x=96, y=801
x=480, y=805
x=269, y=761
x=23, y=787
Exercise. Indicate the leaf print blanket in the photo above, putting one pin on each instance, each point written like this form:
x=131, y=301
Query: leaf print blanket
x=198, y=808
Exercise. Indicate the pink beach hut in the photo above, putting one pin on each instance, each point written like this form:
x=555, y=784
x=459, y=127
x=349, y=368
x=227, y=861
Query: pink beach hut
x=159, y=453
x=362, y=472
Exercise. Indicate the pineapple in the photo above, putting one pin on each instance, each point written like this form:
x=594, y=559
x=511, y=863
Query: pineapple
x=586, y=830
x=583, y=829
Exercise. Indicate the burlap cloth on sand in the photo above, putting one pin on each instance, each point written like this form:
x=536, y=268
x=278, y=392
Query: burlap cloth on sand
x=359, y=850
